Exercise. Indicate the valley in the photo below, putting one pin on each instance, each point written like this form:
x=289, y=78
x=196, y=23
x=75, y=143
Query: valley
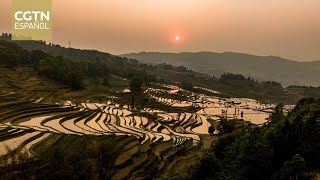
x=116, y=118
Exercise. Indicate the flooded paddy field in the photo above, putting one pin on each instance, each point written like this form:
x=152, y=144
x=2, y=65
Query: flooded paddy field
x=25, y=123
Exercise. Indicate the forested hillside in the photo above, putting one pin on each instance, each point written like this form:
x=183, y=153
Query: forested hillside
x=263, y=68
x=80, y=114
x=286, y=148
x=72, y=66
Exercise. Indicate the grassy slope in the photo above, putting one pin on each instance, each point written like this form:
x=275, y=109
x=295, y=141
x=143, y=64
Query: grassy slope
x=24, y=83
x=128, y=159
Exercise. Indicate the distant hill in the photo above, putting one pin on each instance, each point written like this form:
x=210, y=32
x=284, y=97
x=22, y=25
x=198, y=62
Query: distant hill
x=262, y=68
x=76, y=67
x=58, y=50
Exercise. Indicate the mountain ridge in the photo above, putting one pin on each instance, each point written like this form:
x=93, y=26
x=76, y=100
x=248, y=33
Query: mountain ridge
x=213, y=52
x=275, y=68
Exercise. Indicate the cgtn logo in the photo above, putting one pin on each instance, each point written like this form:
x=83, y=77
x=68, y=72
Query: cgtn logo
x=31, y=20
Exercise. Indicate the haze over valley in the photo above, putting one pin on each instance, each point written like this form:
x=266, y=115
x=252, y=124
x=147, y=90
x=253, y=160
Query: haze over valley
x=163, y=90
x=263, y=68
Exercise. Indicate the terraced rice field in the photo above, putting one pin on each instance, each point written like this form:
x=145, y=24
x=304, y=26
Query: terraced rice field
x=25, y=125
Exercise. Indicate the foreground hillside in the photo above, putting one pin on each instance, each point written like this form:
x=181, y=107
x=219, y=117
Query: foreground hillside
x=262, y=68
x=106, y=140
x=286, y=148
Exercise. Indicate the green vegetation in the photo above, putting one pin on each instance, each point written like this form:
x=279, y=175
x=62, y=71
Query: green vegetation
x=239, y=86
x=135, y=84
x=63, y=156
x=262, y=68
x=226, y=126
x=211, y=130
x=306, y=91
x=62, y=70
x=97, y=68
x=71, y=157
x=8, y=57
x=287, y=147
x=11, y=54
x=187, y=85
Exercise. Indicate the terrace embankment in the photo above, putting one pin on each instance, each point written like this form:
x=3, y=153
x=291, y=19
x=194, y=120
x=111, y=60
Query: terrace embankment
x=168, y=133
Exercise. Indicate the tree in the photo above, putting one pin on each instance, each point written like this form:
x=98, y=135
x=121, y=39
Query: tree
x=293, y=167
x=135, y=84
x=106, y=81
x=207, y=167
x=8, y=57
x=278, y=114
x=187, y=85
x=63, y=70
x=144, y=102
x=211, y=130
x=270, y=151
x=227, y=126
x=75, y=79
x=135, y=88
x=37, y=55
x=25, y=57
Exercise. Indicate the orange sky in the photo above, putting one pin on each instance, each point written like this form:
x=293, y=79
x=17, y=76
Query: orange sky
x=287, y=28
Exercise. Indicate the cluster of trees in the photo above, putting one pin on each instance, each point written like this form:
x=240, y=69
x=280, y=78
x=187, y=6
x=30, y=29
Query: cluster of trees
x=8, y=57
x=239, y=86
x=171, y=67
x=62, y=70
x=226, y=126
x=141, y=72
x=286, y=148
x=98, y=68
x=186, y=84
x=71, y=71
x=306, y=91
x=99, y=64
x=231, y=77
x=11, y=55
x=272, y=83
x=237, y=79
x=58, y=68
x=312, y=92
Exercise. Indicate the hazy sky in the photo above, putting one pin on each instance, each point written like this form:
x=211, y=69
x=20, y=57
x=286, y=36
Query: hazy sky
x=287, y=28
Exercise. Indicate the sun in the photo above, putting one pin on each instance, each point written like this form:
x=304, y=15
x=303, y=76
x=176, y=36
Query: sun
x=177, y=38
